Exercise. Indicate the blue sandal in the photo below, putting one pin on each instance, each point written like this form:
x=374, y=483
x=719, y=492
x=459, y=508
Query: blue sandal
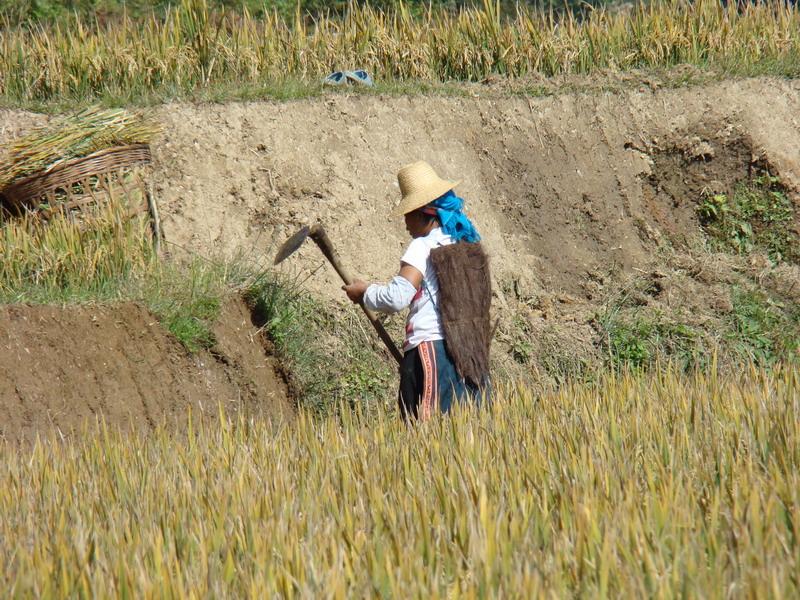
x=335, y=78
x=359, y=76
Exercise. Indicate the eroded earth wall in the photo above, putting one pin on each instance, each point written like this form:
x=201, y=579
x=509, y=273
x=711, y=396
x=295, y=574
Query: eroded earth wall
x=560, y=187
x=64, y=367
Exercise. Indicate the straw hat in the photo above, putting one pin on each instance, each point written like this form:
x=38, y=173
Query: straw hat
x=419, y=184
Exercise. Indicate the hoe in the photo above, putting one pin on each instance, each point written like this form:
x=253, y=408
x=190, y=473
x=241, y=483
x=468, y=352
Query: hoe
x=317, y=233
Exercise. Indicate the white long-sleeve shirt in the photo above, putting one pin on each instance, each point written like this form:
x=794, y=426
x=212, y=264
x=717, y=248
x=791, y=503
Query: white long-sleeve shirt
x=424, y=322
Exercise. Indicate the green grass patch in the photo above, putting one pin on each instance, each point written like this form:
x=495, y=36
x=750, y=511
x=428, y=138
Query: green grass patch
x=331, y=356
x=644, y=338
x=188, y=298
x=519, y=337
x=757, y=216
x=763, y=330
x=760, y=329
x=280, y=90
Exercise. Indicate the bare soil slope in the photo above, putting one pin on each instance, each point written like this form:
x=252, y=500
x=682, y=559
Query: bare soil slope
x=574, y=194
x=559, y=187
x=63, y=366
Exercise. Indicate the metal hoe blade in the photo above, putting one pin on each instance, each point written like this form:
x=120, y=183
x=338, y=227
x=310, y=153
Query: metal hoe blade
x=317, y=233
x=291, y=245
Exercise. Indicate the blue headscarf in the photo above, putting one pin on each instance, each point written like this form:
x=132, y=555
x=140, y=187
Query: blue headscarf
x=455, y=223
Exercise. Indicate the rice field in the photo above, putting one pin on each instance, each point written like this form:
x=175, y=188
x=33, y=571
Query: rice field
x=72, y=259
x=194, y=48
x=656, y=484
x=633, y=486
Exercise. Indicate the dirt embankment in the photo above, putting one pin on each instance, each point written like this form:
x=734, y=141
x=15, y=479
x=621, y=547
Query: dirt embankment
x=63, y=366
x=560, y=187
x=574, y=194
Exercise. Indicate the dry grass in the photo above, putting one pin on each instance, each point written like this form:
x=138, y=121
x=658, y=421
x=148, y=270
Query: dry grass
x=105, y=255
x=72, y=258
x=194, y=48
x=632, y=487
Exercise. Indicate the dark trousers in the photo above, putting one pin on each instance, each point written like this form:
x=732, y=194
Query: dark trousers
x=429, y=383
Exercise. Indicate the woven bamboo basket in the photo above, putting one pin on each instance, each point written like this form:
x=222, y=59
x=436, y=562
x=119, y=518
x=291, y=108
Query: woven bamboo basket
x=80, y=184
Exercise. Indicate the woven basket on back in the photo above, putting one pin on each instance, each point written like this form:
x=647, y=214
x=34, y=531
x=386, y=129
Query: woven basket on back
x=83, y=183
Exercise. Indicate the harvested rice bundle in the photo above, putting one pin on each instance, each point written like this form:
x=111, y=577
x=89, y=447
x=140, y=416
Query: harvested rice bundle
x=74, y=136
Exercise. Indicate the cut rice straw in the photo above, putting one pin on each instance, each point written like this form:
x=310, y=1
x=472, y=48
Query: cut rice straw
x=74, y=136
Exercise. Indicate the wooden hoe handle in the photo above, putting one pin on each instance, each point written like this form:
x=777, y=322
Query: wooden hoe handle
x=321, y=239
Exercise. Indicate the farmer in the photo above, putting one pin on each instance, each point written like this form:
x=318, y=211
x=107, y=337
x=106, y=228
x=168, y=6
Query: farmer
x=429, y=378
